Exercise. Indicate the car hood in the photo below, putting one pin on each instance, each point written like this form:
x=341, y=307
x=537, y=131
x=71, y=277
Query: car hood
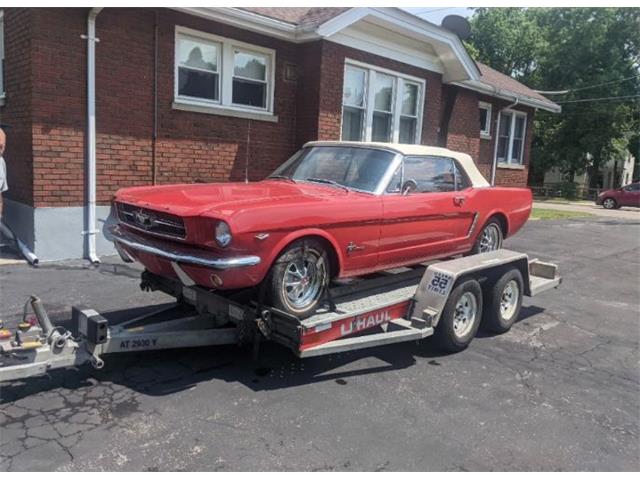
x=222, y=200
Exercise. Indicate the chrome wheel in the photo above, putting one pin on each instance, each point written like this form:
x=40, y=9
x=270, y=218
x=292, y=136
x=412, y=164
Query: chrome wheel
x=490, y=238
x=509, y=300
x=303, y=280
x=609, y=203
x=465, y=313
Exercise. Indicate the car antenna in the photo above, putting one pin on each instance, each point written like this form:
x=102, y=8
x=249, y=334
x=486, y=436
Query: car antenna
x=246, y=164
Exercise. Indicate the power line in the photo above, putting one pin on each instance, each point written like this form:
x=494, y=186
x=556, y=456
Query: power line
x=564, y=92
x=427, y=11
x=583, y=100
x=605, y=83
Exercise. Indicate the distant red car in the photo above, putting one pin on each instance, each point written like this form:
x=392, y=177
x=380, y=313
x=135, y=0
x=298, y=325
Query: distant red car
x=628, y=196
x=334, y=209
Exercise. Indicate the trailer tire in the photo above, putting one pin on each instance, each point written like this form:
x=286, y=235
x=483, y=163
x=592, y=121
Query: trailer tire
x=460, y=317
x=503, y=302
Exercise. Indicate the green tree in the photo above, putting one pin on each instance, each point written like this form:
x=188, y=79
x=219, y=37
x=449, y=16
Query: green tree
x=594, y=53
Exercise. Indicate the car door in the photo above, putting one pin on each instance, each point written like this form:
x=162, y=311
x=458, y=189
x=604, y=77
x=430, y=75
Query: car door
x=433, y=219
x=630, y=195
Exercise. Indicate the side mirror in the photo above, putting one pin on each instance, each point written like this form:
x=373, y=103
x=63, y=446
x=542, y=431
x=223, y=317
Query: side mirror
x=409, y=186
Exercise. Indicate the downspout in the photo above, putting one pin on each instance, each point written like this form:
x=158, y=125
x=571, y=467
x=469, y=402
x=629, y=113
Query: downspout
x=90, y=227
x=494, y=164
x=154, y=135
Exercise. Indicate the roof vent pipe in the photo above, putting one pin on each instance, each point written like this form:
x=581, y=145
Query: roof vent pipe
x=90, y=226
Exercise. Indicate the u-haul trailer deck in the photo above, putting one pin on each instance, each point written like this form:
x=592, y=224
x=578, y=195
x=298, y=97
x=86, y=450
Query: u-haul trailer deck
x=449, y=300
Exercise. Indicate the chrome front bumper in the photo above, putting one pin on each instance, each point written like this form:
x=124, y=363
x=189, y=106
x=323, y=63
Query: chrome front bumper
x=177, y=253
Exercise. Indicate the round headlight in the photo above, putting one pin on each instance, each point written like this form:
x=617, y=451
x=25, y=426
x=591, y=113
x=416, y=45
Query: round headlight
x=223, y=234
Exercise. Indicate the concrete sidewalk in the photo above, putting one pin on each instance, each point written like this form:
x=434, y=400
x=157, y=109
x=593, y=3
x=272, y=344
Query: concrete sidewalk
x=626, y=213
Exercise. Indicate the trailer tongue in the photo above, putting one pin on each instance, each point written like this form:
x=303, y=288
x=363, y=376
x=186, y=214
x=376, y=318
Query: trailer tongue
x=446, y=299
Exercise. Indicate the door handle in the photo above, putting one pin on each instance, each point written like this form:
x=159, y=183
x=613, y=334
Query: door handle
x=458, y=201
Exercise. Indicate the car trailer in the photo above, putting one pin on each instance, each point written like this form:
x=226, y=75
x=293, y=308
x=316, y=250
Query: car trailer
x=448, y=300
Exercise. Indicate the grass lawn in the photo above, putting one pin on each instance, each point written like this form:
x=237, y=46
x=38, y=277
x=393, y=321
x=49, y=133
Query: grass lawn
x=548, y=214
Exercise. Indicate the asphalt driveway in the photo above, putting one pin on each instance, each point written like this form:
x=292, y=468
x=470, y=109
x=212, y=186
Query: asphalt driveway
x=559, y=392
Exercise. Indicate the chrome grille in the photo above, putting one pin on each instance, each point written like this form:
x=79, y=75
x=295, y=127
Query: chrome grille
x=151, y=221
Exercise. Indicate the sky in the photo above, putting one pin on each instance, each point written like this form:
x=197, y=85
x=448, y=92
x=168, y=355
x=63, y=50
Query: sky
x=436, y=14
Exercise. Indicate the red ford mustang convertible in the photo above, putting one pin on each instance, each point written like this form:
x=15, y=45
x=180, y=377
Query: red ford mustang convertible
x=333, y=210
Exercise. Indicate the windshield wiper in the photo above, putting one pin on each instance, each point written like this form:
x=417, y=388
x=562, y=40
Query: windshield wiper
x=328, y=182
x=281, y=177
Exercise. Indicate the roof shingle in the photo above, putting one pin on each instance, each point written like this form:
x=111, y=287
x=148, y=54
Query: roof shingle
x=500, y=80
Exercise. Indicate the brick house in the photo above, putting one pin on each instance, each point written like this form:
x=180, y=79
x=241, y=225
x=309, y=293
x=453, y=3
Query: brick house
x=218, y=94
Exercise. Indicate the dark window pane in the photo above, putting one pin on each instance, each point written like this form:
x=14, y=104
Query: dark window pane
x=461, y=180
x=197, y=84
x=381, y=128
x=249, y=93
x=352, y=119
x=483, y=119
x=515, y=150
x=502, y=148
x=407, y=130
x=431, y=174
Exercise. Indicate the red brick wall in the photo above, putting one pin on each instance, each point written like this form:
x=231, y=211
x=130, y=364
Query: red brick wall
x=484, y=149
x=59, y=106
x=191, y=147
x=332, y=74
x=464, y=124
x=308, y=105
x=199, y=147
x=16, y=111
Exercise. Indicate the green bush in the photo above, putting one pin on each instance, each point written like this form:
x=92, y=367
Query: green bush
x=568, y=190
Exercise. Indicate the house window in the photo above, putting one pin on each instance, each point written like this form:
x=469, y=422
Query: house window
x=380, y=105
x=222, y=73
x=485, y=120
x=511, y=133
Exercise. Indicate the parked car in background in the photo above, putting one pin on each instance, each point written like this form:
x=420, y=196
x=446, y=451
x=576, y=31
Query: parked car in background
x=334, y=209
x=627, y=196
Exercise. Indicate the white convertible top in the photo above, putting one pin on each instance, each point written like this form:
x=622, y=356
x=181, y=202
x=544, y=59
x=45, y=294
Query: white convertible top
x=463, y=159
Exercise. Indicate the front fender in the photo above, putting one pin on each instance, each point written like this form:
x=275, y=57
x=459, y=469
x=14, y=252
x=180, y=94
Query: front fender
x=298, y=234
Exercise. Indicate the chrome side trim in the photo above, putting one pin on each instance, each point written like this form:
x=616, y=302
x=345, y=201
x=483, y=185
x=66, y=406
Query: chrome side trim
x=180, y=254
x=473, y=225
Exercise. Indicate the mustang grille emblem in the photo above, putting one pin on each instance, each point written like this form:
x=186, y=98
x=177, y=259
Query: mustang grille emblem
x=143, y=219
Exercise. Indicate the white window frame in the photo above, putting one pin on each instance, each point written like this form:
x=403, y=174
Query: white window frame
x=369, y=100
x=486, y=133
x=509, y=160
x=225, y=72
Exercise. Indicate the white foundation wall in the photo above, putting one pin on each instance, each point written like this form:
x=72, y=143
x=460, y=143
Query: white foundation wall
x=56, y=233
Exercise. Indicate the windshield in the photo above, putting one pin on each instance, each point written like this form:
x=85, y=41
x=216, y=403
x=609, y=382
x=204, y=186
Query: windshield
x=351, y=167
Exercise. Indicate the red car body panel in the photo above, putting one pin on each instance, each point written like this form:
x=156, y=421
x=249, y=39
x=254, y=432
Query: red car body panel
x=384, y=230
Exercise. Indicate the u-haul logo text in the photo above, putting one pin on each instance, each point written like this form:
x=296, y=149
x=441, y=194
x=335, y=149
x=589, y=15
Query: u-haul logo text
x=362, y=322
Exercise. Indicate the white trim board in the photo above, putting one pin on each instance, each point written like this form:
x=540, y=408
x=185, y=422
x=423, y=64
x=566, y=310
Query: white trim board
x=360, y=40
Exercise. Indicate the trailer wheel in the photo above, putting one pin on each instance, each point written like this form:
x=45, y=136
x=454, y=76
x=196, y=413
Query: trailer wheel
x=460, y=318
x=503, y=302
